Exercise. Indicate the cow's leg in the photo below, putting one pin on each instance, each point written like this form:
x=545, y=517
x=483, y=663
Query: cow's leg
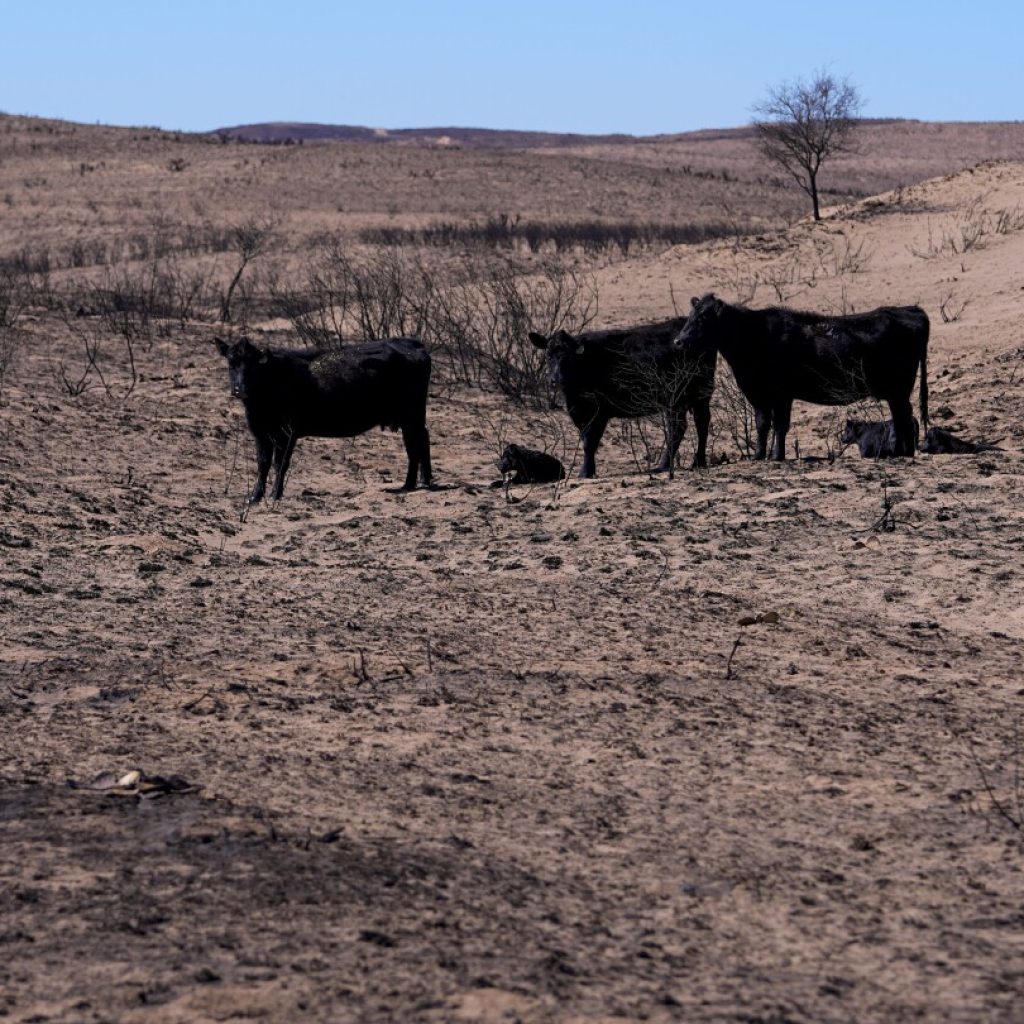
x=780, y=424
x=417, y=449
x=264, y=453
x=426, y=471
x=702, y=421
x=763, y=419
x=675, y=431
x=902, y=425
x=282, y=460
x=591, y=436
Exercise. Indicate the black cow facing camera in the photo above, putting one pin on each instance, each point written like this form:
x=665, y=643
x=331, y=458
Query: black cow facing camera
x=330, y=393
x=631, y=372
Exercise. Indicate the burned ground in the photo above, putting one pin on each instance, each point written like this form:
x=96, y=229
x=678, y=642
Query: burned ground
x=462, y=757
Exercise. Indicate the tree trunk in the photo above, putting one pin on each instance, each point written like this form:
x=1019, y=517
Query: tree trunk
x=814, y=195
x=225, y=309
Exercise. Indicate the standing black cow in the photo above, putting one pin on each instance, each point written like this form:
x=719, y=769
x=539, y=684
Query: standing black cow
x=778, y=355
x=331, y=393
x=631, y=372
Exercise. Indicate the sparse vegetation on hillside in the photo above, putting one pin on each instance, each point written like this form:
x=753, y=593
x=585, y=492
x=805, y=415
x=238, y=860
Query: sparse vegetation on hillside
x=590, y=237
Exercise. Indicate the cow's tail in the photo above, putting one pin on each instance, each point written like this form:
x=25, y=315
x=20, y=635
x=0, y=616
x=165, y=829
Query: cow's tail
x=924, y=377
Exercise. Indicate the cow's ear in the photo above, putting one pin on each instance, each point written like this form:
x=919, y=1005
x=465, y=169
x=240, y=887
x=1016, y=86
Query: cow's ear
x=253, y=351
x=222, y=346
x=538, y=339
x=718, y=306
x=695, y=302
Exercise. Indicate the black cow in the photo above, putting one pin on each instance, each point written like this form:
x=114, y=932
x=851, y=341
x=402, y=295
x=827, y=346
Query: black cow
x=529, y=466
x=875, y=439
x=631, y=372
x=778, y=355
x=941, y=442
x=331, y=393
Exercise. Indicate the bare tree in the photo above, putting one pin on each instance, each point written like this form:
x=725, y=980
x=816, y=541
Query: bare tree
x=803, y=123
x=249, y=240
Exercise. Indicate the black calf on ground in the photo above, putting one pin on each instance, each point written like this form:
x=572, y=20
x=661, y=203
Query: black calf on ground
x=631, y=372
x=529, y=466
x=941, y=442
x=875, y=439
x=331, y=393
x=778, y=355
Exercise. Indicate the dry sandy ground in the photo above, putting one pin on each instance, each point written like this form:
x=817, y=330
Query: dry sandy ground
x=464, y=758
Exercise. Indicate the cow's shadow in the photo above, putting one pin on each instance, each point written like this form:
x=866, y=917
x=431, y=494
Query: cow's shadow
x=431, y=488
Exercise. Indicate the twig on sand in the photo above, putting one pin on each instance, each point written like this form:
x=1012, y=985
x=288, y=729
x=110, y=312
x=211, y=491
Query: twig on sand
x=1016, y=820
x=359, y=667
x=189, y=705
x=728, y=664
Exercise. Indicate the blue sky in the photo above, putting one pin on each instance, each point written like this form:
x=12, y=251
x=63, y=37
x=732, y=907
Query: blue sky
x=642, y=67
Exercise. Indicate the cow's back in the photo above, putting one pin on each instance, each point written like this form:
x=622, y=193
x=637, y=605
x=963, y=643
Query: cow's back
x=356, y=387
x=834, y=360
x=636, y=371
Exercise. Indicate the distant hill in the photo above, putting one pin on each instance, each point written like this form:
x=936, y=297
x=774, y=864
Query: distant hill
x=476, y=138
x=464, y=138
x=348, y=180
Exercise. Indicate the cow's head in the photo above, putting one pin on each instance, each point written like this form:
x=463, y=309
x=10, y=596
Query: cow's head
x=245, y=361
x=701, y=323
x=563, y=350
x=510, y=459
x=852, y=432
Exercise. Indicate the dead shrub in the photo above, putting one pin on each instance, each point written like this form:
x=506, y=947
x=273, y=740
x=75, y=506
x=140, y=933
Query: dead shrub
x=480, y=324
x=837, y=258
x=654, y=391
x=382, y=294
x=968, y=228
x=249, y=241
x=13, y=300
x=732, y=416
x=507, y=232
x=951, y=308
x=474, y=313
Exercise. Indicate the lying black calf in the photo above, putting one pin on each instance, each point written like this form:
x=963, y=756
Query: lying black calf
x=941, y=442
x=876, y=439
x=529, y=466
